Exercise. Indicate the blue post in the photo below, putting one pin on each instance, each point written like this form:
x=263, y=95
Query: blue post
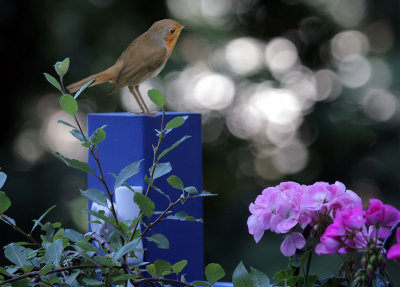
x=130, y=138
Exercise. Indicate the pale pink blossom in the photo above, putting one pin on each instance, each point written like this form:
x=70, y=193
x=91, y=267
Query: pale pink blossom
x=292, y=242
x=394, y=251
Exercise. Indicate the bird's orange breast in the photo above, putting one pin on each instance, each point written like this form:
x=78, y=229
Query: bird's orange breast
x=170, y=39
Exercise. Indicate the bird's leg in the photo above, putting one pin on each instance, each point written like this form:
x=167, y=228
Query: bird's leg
x=133, y=92
x=141, y=98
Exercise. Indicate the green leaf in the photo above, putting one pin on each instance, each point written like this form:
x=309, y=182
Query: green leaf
x=67, y=124
x=156, y=97
x=125, y=249
x=7, y=219
x=62, y=67
x=68, y=104
x=84, y=87
x=98, y=135
x=126, y=173
x=96, y=195
x=183, y=216
x=75, y=163
x=42, y=217
x=175, y=182
x=46, y=269
x=99, y=215
x=176, y=122
x=71, y=278
x=164, y=152
x=200, y=283
x=178, y=266
x=16, y=254
x=73, y=235
x=145, y=204
x=54, y=252
x=160, y=240
x=214, y=272
x=3, y=178
x=105, y=260
x=53, y=81
x=241, y=278
x=5, y=202
x=204, y=193
x=77, y=133
x=161, y=169
x=92, y=282
x=151, y=269
x=284, y=274
x=259, y=278
x=124, y=278
x=162, y=267
x=20, y=283
x=191, y=190
x=86, y=246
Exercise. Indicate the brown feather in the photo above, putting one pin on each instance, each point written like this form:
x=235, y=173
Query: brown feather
x=109, y=75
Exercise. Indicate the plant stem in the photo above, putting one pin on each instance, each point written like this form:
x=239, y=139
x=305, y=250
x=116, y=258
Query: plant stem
x=16, y=228
x=161, y=216
x=67, y=268
x=153, y=169
x=308, y=267
x=101, y=177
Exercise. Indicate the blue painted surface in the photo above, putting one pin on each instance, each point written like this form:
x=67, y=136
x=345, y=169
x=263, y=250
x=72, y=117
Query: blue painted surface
x=130, y=138
x=223, y=284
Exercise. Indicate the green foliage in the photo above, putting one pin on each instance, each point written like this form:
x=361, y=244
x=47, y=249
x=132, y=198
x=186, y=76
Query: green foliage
x=65, y=257
x=75, y=163
x=145, y=204
x=95, y=195
x=161, y=169
x=54, y=252
x=156, y=97
x=16, y=254
x=242, y=278
x=37, y=222
x=53, y=81
x=176, y=122
x=214, y=272
x=3, y=178
x=126, y=173
x=175, y=182
x=84, y=87
x=62, y=67
x=178, y=266
x=98, y=135
x=164, y=152
x=183, y=216
x=5, y=202
x=160, y=240
x=68, y=104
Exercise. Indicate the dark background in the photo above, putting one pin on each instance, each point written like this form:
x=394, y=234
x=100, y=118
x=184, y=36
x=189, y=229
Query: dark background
x=335, y=117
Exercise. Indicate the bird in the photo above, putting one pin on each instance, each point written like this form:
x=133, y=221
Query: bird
x=142, y=60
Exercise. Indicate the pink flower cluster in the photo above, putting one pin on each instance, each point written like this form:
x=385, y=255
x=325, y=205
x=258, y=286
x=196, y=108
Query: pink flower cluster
x=394, y=251
x=284, y=207
x=355, y=229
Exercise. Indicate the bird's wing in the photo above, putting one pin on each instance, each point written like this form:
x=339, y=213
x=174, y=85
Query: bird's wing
x=140, y=65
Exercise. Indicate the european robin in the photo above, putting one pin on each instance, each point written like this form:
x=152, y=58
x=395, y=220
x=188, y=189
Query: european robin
x=142, y=60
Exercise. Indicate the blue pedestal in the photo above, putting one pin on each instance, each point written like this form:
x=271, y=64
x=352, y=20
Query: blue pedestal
x=130, y=138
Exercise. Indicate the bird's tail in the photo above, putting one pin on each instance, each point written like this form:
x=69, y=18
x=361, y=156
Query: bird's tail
x=109, y=75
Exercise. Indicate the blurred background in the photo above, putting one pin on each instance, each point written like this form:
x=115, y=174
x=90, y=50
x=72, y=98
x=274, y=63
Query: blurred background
x=301, y=90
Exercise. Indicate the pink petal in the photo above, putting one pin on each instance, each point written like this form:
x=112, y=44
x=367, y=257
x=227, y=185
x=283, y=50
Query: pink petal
x=291, y=243
x=287, y=247
x=394, y=252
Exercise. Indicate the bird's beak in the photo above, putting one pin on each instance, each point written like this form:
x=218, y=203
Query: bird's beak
x=182, y=27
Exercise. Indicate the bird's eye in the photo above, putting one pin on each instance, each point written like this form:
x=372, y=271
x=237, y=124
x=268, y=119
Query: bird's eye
x=172, y=31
